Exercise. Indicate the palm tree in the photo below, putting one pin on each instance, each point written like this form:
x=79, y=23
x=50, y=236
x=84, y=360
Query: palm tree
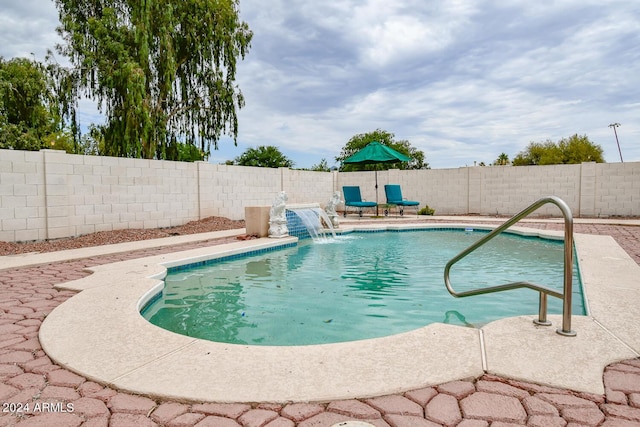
x=502, y=160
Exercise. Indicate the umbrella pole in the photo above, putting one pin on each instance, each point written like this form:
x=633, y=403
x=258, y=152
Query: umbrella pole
x=376, y=190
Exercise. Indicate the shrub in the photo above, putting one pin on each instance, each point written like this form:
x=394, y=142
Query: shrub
x=426, y=211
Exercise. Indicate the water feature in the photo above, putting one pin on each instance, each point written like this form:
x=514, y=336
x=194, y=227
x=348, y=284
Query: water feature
x=312, y=219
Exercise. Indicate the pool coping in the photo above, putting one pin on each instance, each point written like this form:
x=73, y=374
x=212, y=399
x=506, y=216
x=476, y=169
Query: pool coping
x=99, y=333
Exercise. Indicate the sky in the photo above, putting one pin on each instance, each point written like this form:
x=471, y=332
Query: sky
x=461, y=80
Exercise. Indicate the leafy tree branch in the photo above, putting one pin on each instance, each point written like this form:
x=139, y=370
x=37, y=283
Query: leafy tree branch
x=162, y=72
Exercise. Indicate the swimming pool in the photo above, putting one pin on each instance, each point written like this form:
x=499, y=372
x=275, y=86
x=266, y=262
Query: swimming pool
x=99, y=333
x=358, y=286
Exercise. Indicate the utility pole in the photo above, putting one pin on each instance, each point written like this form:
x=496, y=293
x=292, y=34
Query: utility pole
x=614, y=126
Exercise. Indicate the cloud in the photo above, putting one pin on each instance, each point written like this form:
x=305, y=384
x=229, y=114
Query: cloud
x=393, y=33
x=28, y=27
x=463, y=81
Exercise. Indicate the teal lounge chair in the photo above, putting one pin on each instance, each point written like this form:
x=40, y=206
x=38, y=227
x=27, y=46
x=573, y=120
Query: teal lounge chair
x=353, y=198
x=394, y=198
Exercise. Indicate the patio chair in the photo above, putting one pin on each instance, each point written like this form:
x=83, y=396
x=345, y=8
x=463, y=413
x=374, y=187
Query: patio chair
x=353, y=198
x=394, y=198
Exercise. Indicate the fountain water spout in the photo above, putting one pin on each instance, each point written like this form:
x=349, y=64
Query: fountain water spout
x=312, y=219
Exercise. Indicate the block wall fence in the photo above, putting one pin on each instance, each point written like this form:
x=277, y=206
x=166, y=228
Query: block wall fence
x=50, y=194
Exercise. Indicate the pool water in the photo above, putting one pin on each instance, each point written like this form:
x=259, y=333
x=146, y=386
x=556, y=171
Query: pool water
x=358, y=286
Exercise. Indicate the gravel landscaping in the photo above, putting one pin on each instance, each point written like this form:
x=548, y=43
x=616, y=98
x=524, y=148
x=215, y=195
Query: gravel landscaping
x=212, y=223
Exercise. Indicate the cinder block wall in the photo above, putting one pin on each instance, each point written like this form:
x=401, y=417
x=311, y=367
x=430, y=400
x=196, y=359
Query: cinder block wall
x=507, y=190
x=590, y=189
x=307, y=186
x=617, y=189
x=445, y=190
x=50, y=194
x=23, y=212
x=225, y=190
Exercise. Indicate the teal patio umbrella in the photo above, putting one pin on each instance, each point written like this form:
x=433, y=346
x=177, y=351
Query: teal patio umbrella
x=373, y=154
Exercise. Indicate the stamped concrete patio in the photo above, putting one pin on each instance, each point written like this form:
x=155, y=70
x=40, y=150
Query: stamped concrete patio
x=63, y=398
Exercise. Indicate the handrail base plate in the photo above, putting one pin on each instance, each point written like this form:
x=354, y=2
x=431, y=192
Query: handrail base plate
x=569, y=333
x=542, y=323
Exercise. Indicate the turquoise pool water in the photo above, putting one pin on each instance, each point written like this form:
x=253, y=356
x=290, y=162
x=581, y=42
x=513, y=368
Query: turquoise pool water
x=357, y=286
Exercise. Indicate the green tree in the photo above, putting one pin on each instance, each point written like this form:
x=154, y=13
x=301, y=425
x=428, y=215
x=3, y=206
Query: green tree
x=358, y=142
x=576, y=149
x=502, y=160
x=32, y=114
x=189, y=153
x=323, y=166
x=265, y=157
x=162, y=71
x=92, y=142
x=539, y=153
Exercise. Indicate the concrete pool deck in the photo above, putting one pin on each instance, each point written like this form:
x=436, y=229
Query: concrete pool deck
x=80, y=335
x=453, y=354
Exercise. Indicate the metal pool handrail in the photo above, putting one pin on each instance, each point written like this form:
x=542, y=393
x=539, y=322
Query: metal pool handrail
x=544, y=291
